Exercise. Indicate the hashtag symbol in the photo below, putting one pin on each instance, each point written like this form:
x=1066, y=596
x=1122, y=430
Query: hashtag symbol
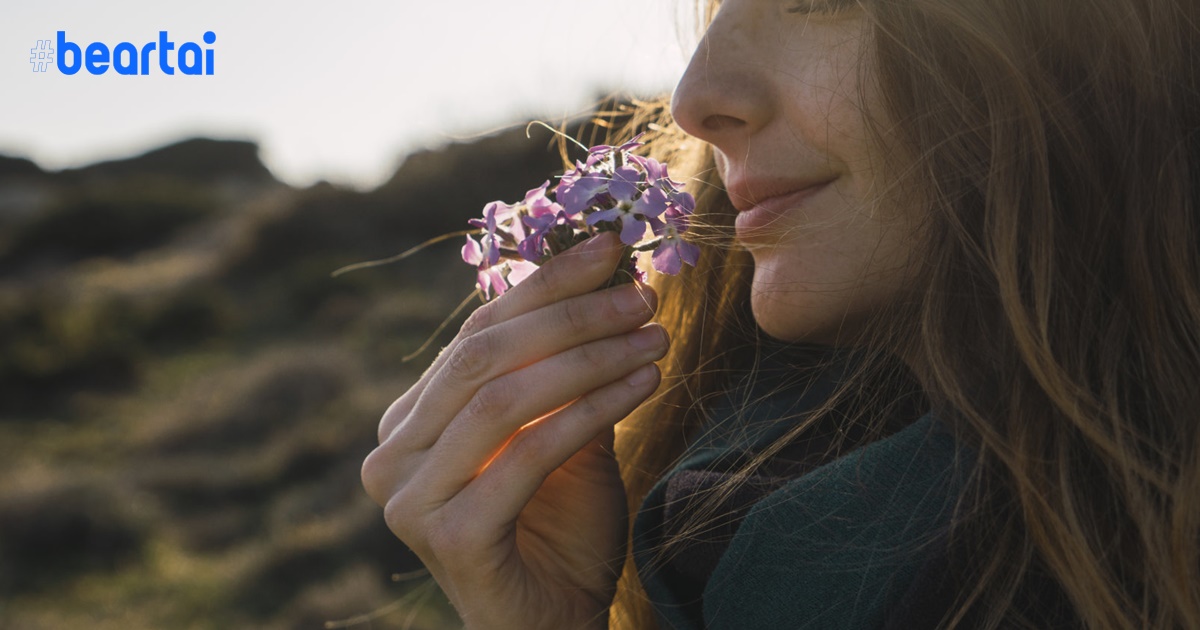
x=42, y=55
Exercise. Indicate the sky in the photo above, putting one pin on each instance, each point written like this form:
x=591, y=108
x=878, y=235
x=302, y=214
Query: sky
x=339, y=91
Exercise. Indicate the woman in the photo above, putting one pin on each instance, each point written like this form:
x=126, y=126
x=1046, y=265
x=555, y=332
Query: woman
x=968, y=230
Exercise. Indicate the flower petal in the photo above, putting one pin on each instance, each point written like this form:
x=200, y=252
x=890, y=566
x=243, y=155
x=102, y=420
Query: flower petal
x=632, y=143
x=519, y=270
x=624, y=183
x=581, y=193
x=496, y=280
x=685, y=202
x=689, y=252
x=632, y=229
x=472, y=254
x=531, y=248
x=612, y=214
x=655, y=170
x=489, y=213
x=535, y=194
x=666, y=258
x=677, y=220
x=491, y=251
x=652, y=203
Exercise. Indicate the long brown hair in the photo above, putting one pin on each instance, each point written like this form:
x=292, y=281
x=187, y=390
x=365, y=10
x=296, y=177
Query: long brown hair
x=1055, y=322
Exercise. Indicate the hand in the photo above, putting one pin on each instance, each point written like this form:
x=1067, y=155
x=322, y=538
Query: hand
x=496, y=467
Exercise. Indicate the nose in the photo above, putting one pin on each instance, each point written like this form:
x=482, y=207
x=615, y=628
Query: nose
x=724, y=95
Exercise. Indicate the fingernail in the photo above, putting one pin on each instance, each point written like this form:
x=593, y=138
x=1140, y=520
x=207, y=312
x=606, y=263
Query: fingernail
x=597, y=247
x=648, y=338
x=629, y=300
x=641, y=376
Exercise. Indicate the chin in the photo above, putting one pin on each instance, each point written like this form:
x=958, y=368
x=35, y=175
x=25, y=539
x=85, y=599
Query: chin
x=787, y=322
x=787, y=310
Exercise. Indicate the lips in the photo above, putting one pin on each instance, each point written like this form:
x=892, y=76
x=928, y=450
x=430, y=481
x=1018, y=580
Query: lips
x=748, y=194
x=757, y=215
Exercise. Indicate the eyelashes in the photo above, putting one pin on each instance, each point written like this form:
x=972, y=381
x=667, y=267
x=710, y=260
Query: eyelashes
x=820, y=6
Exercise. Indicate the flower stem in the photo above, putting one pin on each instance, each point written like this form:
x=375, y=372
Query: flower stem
x=410, y=252
x=648, y=245
x=554, y=131
x=441, y=326
x=621, y=275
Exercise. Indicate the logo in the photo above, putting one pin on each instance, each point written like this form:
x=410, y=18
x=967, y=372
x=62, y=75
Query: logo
x=41, y=55
x=124, y=58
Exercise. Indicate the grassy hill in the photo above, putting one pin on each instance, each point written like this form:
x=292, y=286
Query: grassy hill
x=188, y=395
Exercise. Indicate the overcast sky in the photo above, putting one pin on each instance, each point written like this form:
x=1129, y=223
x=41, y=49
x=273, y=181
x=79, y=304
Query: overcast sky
x=331, y=90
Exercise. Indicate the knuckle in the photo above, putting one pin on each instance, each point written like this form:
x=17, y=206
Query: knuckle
x=402, y=434
x=589, y=406
x=526, y=452
x=392, y=418
x=595, y=354
x=468, y=362
x=575, y=314
x=545, y=281
x=491, y=400
x=373, y=480
x=402, y=520
x=479, y=320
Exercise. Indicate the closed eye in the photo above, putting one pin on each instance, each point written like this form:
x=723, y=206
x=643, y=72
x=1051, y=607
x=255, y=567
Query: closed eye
x=820, y=6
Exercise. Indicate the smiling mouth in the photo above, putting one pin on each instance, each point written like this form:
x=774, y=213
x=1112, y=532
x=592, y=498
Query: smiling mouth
x=748, y=194
x=756, y=218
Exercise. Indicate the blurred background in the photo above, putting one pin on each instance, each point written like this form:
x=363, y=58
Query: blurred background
x=186, y=394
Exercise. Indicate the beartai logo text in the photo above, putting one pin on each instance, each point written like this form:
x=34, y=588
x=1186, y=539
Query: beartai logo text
x=125, y=58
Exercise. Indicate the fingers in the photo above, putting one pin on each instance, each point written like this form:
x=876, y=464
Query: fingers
x=497, y=495
x=503, y=489
x=473, y=375
x=579, y=270
x=504, y=405
x=459, y=446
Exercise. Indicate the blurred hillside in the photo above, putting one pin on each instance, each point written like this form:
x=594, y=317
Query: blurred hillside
x=186, y=395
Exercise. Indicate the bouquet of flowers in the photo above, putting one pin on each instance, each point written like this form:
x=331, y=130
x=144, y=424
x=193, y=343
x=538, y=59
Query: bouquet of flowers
x=612, y=190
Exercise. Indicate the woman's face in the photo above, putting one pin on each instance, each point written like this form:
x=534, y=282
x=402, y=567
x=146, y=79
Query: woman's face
x=774, y=86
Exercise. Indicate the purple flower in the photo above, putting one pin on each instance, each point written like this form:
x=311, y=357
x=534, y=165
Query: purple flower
x=656, y=175
x=672, y=250
x=488, y=274
x=611, y=189
x=538, y=203
x=683, y=202
x=518, y=270
x=602, y=152
x=579, y=189
x=633, y=267
x=490, y=239
x=633, y=216
x=531, y=248
x=623, y=186
x=494, y=276
x=655, y=170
